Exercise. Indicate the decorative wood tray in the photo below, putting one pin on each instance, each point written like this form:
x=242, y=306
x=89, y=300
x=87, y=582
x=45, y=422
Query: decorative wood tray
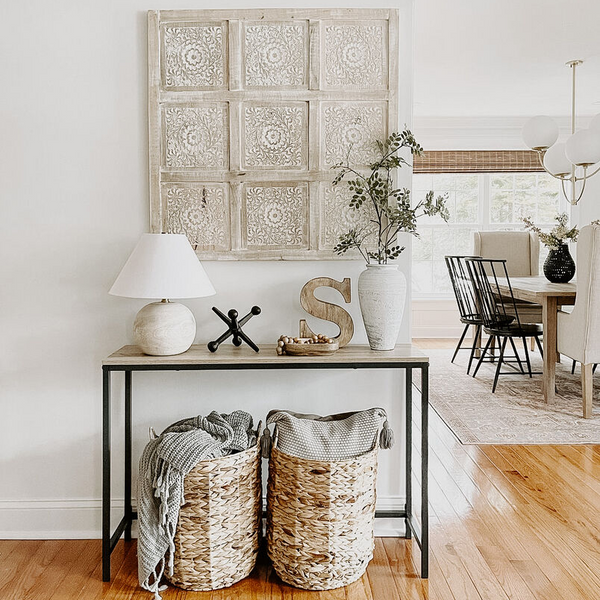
x=304, y=348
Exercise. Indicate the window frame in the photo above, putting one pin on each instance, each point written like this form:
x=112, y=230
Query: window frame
x=483, y=223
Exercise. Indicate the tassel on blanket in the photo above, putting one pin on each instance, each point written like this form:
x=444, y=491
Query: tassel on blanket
x=386, y=437
x=265, y=443
x=154, y=586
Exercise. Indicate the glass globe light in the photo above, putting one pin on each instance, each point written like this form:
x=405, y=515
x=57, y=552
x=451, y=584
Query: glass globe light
x=540, y=132
x=556, y=161
x=583, y=147
x=595, y=123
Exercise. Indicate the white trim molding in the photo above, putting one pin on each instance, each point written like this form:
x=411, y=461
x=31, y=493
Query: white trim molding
x=435, y=318
x=78, y=519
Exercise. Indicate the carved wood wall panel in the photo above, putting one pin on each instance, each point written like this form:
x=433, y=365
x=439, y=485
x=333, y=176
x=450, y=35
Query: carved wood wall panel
x=248, y=112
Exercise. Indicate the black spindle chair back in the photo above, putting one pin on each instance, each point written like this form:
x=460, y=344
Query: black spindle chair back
x=497, y=310
x=463, y=288
x=466, y=302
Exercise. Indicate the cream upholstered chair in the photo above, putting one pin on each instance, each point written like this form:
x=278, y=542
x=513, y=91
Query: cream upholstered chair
x=579, y=331
x=520, y=250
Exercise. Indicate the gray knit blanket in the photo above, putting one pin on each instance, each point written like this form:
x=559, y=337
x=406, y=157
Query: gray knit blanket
x=165, y=462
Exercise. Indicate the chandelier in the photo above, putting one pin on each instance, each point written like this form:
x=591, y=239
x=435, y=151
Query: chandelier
x=568, y=161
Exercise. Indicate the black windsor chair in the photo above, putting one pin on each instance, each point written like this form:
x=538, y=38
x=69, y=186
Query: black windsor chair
x=500, y=314
x=467, y=305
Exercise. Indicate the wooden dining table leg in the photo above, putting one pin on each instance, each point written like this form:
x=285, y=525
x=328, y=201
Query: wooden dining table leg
x=477, y=340
x=549, y=320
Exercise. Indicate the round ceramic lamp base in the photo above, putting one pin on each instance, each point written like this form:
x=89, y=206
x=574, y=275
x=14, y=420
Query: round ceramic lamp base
x=164, y=328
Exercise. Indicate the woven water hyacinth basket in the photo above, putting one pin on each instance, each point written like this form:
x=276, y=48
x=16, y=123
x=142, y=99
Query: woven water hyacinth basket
x=320, y=518
x=217, y=535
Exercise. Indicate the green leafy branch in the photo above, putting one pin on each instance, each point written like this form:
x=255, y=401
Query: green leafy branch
x=392, y=210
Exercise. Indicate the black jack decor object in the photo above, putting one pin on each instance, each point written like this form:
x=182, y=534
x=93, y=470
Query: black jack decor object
x=235, y=328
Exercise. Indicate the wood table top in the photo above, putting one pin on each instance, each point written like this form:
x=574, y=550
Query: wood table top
x=535, y=289
x=227, y=354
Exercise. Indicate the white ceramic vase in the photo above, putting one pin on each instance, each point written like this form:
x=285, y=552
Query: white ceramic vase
x=382, y=294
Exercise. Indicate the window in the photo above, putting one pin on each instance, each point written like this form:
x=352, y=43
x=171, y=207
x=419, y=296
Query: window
x=477, y=202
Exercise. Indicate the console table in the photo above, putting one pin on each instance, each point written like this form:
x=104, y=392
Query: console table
x=229, y=358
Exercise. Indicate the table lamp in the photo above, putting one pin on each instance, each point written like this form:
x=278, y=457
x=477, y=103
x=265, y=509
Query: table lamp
x=163, y=266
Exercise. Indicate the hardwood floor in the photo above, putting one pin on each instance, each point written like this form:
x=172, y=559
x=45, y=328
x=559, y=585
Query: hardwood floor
x=519, y=522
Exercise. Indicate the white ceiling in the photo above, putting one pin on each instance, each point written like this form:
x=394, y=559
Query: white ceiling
x=505, y=57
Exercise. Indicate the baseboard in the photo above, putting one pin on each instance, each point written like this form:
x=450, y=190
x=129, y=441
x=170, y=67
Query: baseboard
x=54, y=519
x=437, y=332
x=390, y=527
x=81, y=518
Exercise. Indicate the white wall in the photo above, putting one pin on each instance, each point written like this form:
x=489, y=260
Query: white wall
x=73, y=166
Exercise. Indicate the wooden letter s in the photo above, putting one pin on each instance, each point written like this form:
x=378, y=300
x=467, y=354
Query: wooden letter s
x=326, y=310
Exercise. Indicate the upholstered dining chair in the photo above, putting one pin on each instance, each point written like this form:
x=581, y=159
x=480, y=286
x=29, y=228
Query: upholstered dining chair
x=579, y=331
x=520, y=250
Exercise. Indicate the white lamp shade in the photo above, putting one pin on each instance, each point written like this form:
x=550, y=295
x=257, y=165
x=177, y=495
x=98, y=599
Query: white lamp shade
x=595, y=124
x=162, y=265
x=583, y=147
x=540, y=132
x=556, y=161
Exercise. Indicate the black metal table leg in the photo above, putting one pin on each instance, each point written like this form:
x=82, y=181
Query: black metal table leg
x=106, y=549
x=425, y=471
x=408, y=451
x=128, y=508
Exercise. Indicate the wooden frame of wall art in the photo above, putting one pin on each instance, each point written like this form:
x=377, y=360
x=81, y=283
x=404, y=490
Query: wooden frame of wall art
x=248, y=112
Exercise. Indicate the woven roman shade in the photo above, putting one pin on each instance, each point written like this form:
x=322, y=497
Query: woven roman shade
x=477, y=161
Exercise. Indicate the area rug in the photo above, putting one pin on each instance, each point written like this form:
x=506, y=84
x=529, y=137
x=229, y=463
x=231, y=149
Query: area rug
x=516, y=413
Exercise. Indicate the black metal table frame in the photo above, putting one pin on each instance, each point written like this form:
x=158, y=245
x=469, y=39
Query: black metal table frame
x=421, y=534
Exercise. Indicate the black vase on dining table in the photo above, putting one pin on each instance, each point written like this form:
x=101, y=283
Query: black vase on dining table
x=559, y=266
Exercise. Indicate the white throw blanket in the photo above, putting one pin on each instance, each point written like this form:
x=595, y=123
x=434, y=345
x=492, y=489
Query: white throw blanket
x=164, y=464
x=334, y=437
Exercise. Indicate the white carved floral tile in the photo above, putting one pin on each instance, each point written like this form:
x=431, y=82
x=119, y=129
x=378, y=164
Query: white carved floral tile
x=350, y=132
x=275, y=136
x=337, y=217
x=276, y=54
x=196, y=137
x=249, y=110
x=275, y=216
x=200, y=211
x=194, y=56
x=355, y=55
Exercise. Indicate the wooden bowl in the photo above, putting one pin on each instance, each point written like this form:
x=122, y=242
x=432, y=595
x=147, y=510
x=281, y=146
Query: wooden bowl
x=294, y=349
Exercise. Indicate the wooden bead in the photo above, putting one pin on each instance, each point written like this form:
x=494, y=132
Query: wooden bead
x=280, y=343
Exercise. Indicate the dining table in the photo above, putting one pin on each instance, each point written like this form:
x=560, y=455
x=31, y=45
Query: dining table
x=551, y=296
